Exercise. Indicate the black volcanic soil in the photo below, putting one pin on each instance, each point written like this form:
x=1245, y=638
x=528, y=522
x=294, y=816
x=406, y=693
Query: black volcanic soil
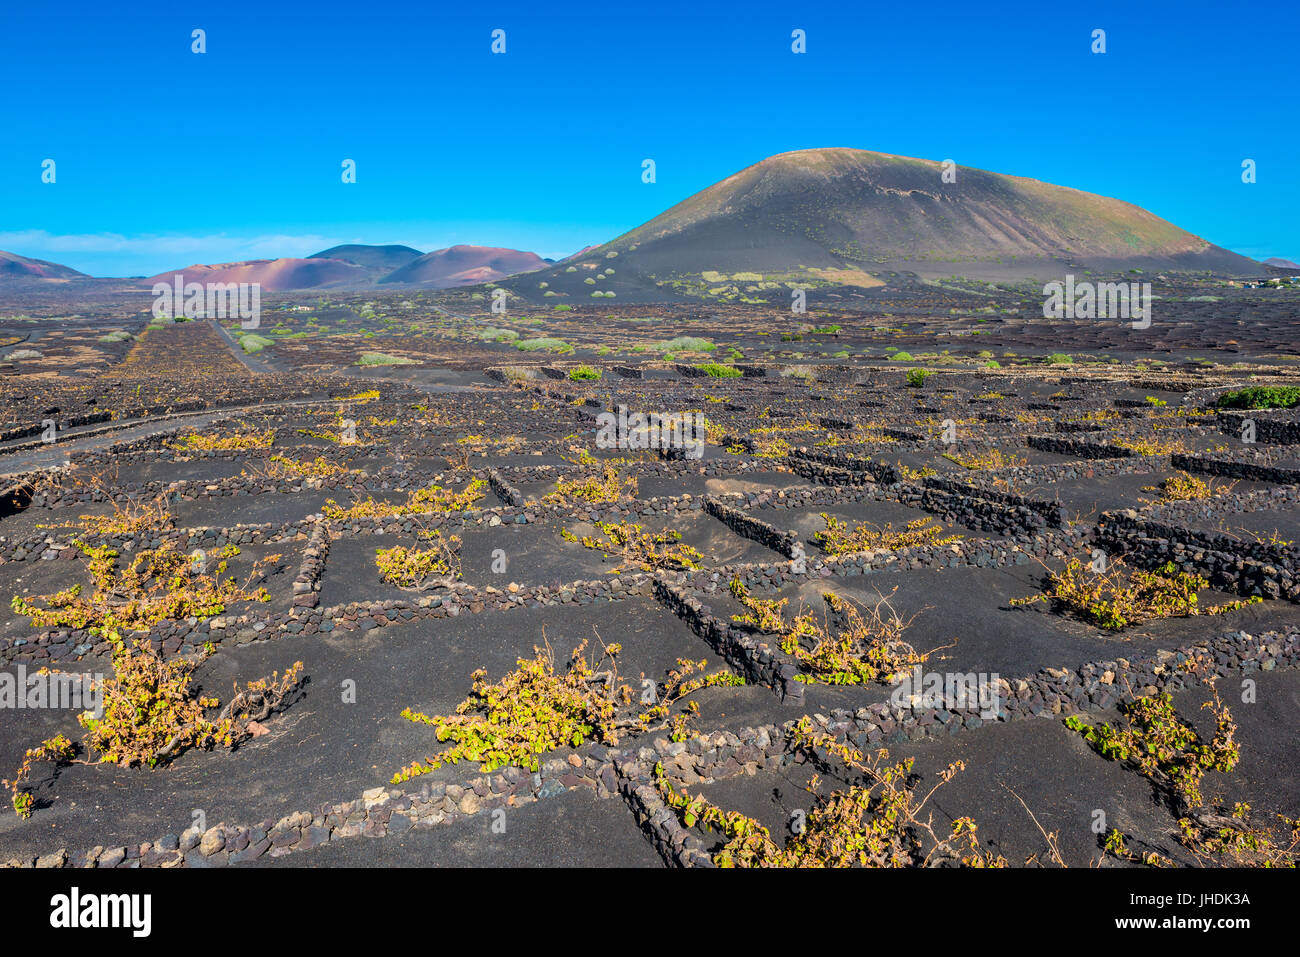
x=473, y=409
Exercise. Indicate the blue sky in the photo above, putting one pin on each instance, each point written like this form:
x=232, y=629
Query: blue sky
x=166, y=158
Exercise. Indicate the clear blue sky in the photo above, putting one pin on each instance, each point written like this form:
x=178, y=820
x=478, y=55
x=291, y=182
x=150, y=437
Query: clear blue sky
x=165, y=157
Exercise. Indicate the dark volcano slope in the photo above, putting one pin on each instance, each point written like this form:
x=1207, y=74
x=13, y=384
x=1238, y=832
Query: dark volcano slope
x=854, y=217
x=378, y=261
x=822, y=207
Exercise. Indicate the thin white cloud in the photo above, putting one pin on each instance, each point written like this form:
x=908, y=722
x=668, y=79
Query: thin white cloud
x=220, y=247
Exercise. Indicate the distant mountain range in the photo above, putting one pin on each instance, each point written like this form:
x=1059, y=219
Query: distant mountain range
x=1276, y=263
x=820, y=217
x=359, y=267
x=340, y=267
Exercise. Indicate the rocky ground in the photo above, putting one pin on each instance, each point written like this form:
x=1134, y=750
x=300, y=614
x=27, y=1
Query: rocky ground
x=1018, y=467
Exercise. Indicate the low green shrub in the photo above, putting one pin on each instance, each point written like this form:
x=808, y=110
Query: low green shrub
x=546, y=343
x=719, y=371
x=1260, y=397
x=383, y=359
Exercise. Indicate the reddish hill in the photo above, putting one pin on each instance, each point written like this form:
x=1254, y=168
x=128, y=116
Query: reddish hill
x=578, y=255
x=464, y=266
x=13, y=266
x=275, y=275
